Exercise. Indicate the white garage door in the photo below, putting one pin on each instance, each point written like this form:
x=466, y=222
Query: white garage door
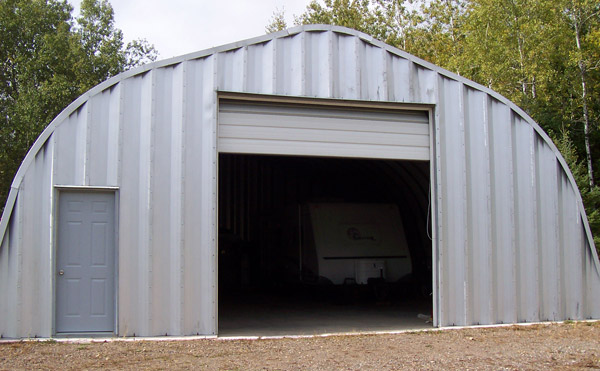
x=290, y=129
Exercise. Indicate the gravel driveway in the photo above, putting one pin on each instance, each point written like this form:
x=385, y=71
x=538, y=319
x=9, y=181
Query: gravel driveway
x=544, y=346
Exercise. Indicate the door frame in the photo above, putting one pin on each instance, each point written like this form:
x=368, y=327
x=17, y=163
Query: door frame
x=58, y=189
x=434, y=174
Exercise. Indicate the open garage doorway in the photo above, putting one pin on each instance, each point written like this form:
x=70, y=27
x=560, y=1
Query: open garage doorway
x=312, y=245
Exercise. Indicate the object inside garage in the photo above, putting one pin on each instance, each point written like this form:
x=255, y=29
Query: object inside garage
x=322, y=245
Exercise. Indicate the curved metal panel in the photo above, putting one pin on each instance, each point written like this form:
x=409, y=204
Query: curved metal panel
x=512, y=238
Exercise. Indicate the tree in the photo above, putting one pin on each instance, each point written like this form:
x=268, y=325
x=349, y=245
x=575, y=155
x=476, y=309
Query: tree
x=582, y=17
x=277, y=22
x=48, y=59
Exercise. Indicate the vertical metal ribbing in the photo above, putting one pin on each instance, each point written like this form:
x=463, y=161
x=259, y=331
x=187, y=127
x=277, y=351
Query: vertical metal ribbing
x=114, y=135
x=80, y=149
x=439, y=309
x=182, y=200
x=144, y=304
x=174, y=246
x=335, y=65
x=524, y=170
x=453, y=176
x=88, y=143
x=330, y=65
x=356, y=44
x=214, y=197
x=303, y=63
x=502, y=212
x=382, y=90
x=413, y=86
x=150, y=204
x=19, y=320
x=478, y=206
x=244, y=69
x=462, y=154
x=47, y=260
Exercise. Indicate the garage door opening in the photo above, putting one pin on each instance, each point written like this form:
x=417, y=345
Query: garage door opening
x=311, y=245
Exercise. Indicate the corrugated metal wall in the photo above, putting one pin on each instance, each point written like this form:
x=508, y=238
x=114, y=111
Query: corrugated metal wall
x=512, y=241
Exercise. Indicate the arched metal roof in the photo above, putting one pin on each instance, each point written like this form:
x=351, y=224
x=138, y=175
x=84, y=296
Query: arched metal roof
x=510, y=222
x=258, y=40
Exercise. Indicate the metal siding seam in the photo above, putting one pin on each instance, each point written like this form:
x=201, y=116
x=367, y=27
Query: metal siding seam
x=472, y=313
x=191, y=324
x=547, y=233
x=152, y=317
x=536, y=251
x=309, y=65
x=478, y=158
x=131, y=304
x=467, y=264
x=5, y=286
x=278, y=77
x=175, y=246
x=274, y=52
x=114, y=136
x=356, y=50
x=524, y=222
x=144, y=237
x=88, y=142
x=512, y=254
x=441, y=313
x=433, y=207
x=303, y=63
x=334, y=58
x=97, y=136
x=494, y=217
x=267, y=55
x=182, y=199
x=577, y=232
x=244, y=68
x=389, y=77
x=163, y=276
x=27, y=290
x=382, y=91
x=491, y=187
x=563, y=283
x=456, y=176
x=213, y=204
x=568, y=287
x=445, y=282
x=539, y=228
x=503, y=175
x=363, y=64
x=80, y=146
x=48, y=189
x=19, y=320
x=592, y=286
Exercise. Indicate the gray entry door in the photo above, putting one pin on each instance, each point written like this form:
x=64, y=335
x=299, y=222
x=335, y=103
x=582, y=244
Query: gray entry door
x=85, y=264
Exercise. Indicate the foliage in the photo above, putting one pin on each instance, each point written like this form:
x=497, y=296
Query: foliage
x=48, y=59
x=590, y=196
x=544, y=55
x=277, y=23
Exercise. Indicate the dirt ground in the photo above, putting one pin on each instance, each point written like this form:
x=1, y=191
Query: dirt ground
x=568, y=346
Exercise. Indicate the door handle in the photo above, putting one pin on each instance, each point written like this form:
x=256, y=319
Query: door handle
x=61, y=272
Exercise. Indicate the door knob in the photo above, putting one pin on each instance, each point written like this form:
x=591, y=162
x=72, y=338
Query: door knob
x=61, y=272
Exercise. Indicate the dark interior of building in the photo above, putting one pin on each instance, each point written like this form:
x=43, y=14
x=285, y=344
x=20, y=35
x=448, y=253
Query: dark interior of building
x=262, y=228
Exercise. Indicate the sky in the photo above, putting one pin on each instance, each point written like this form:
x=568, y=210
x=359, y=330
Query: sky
x=178, y=27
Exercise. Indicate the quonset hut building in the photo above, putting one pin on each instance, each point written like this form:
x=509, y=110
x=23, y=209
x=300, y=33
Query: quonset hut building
x=119, y=218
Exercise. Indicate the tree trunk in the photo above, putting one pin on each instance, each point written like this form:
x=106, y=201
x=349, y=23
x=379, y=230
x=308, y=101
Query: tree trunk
x=586, y=117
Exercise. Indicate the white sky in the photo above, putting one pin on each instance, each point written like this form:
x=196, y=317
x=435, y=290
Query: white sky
x=177, y=27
